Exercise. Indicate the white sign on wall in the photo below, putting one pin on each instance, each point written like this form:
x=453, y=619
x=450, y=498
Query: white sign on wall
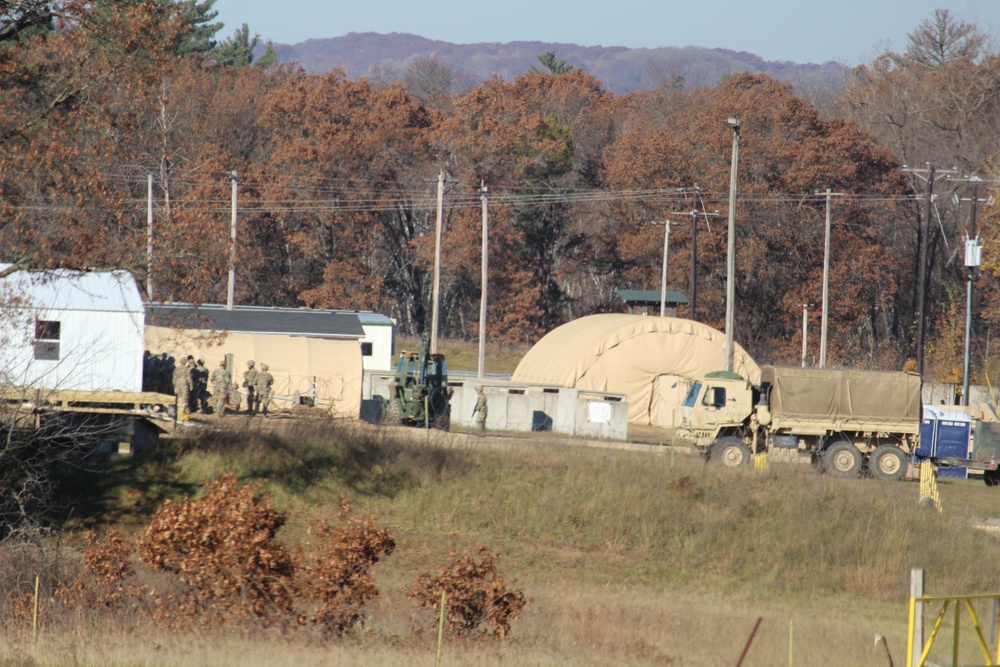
x=598, y=412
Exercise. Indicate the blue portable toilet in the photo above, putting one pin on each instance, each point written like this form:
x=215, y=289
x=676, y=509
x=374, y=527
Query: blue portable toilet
x=945, y=434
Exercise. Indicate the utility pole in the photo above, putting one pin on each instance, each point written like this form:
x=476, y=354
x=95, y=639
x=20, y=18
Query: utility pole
x=826, y=280
x=437, y=262
x=805, y=330
x=694, y=213
x=973, y=259
x=436, y=293
x=663, y=279
x=484, y=191
x=149, y=237
x=734, y=123
x=232, y=249
x=932, y=173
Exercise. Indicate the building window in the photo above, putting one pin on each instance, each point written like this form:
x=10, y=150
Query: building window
x=47, y=334
x=366, y=349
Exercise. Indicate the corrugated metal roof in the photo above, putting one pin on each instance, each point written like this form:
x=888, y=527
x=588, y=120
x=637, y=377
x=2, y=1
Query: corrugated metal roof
x=252, y=319
x=65, y=289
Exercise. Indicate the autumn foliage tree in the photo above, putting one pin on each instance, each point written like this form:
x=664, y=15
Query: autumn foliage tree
x=936, y=104
x=337, y=180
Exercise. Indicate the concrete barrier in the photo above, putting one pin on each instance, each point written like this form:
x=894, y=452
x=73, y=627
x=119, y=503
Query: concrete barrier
x=519, y=407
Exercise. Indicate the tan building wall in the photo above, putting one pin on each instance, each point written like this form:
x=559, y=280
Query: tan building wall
x=328, y=368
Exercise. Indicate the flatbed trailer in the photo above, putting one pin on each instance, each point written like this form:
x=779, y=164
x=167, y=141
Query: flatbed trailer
x=120, y=419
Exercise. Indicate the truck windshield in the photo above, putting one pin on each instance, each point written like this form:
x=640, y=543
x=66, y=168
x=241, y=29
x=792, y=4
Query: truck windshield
x=692, y=395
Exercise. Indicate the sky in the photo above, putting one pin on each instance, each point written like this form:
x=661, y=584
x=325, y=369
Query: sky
x=849, y=31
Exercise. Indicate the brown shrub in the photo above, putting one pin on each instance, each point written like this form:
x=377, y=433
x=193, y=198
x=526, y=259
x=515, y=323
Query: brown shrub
x=102, y=580
x=108, y=578
x=334, y=575
x=477, y=599
x=223, y=550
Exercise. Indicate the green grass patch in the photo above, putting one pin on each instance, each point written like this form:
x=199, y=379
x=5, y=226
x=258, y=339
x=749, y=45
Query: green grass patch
x=565, y=512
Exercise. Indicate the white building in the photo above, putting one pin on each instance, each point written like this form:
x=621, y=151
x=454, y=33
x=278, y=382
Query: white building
x=378, y=344
x=71, y=330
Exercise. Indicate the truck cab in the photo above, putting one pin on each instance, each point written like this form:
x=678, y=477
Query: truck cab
x=718, y=404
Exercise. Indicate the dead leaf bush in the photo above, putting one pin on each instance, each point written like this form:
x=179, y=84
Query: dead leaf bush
x=223, y=550
x=476, y=598
x=334, y=573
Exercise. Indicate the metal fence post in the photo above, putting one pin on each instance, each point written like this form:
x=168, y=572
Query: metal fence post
x=916, y=629
x=444, y=597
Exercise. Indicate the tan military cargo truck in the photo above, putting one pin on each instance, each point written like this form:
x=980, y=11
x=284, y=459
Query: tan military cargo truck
x=838, y=418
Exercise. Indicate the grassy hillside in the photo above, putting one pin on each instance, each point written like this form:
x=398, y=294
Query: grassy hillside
x=629, y=557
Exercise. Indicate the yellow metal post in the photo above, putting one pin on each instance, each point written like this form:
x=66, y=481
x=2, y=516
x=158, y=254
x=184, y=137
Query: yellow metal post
x=910, y=633
x=791, y=637
x=926, y=651
x=984, y=647
x=996, y=626
x=958, y=622
x=34, y=614
x=437, y=663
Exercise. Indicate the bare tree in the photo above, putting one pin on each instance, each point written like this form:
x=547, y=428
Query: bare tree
x=941, y=39
x=428, y=79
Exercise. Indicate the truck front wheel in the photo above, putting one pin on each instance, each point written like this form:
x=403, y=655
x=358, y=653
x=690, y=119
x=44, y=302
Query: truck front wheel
x=730, y=452
x=842, y=460
x=888, y=462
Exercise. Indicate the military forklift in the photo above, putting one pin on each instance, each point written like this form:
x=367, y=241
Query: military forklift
x=419, y=394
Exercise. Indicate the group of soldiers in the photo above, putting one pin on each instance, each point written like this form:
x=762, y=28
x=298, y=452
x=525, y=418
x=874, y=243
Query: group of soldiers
x=157, y=372
x=258, y=385
x=189, y=379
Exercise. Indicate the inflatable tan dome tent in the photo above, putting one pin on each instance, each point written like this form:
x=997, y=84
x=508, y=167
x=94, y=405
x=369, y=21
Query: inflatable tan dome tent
x=649, y=359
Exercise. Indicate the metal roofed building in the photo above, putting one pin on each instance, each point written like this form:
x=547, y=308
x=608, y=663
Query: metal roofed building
x=647, y=301
x=378, y=347
x=310, y=353
x=257, y=320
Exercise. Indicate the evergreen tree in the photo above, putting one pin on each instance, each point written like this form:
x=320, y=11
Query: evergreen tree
x=238, y=50
x=199, y=17
x=552, y=65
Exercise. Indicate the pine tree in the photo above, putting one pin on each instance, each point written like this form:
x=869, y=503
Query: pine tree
x=238, y=50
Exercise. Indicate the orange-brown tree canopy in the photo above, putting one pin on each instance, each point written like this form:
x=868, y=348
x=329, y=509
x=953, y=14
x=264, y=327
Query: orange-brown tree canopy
x=337, y=183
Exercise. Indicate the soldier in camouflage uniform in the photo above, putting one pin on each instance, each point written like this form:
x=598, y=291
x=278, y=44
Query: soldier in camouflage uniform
x=220, y=387
x=262, y=389
x=235, y=398
x=480, y=410
x=249, y=377
x=199, y=387
x=182, y=387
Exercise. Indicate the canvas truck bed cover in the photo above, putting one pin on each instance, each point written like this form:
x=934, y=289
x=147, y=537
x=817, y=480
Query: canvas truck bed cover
x=844, y=396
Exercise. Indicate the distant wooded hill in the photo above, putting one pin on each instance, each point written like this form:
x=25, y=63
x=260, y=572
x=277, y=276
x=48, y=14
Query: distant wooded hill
x=620, y=69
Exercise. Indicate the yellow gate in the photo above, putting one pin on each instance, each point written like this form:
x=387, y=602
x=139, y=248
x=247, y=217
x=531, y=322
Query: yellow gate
x=917, y=650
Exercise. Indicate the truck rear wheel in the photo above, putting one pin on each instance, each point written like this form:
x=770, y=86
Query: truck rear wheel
x=393, y=415
x=888, y=462
x=730, y=452
x=842, y=459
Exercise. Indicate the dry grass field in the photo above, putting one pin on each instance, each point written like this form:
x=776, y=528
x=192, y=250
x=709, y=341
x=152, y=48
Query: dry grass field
x=628, y=557
x=501, y=358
